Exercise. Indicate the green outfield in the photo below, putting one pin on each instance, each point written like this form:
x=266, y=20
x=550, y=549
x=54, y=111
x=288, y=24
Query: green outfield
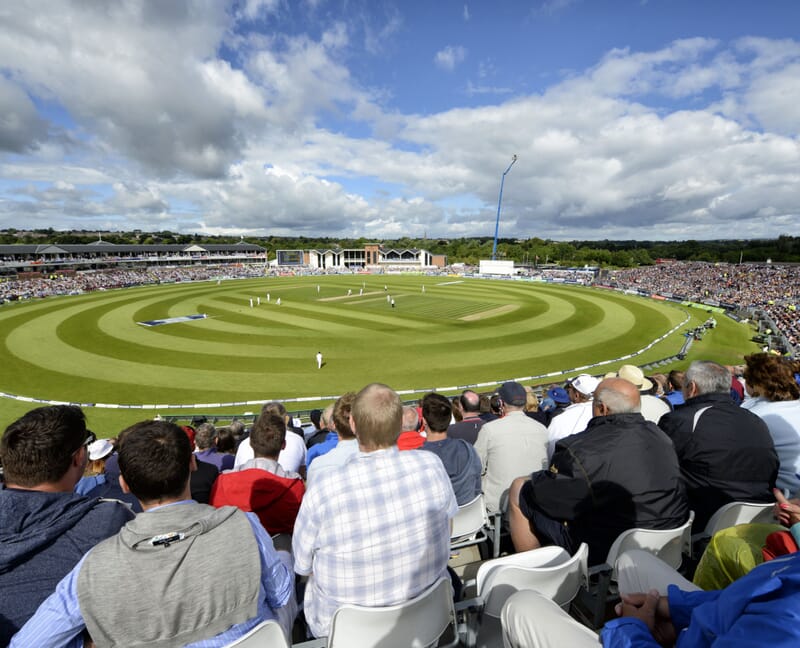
x=442, y=332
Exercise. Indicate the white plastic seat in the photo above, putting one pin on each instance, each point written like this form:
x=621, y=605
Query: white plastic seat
x=469, y=525
x=416, y=623
x=735, y=513
x=551, y=571
x=667, y=544
x=267, y=634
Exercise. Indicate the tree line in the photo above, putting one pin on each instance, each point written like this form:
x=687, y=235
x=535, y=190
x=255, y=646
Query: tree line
x=532, y=251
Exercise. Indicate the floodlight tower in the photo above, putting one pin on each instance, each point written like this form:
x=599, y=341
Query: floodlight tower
x=500, y=202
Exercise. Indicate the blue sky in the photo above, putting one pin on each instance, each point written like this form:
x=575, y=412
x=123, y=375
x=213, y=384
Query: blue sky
x=645, y=119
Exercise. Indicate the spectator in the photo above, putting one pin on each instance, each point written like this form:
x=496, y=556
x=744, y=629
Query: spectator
x=351, y=545
x=674, y=392
x=576, y=417
x=346, y=445
x=45, y=528
x=293, y=456
x=158, y=567
x=653, y=408
x=261, y=485
x=205, y=439
x=93, y=476
x=319, y=431
x=661, y=608
x=725, y=452
x=774, y=395
x=471, y=422
x=410, y=437
x=330, y=440
x=226, y=441
x=459, y=458
x=203, y=476
x=532, y=408
x=509, y=447
x=620, y=473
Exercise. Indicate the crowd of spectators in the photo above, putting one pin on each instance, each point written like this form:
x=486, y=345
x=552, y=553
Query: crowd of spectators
x=82, y=282
x=774, y=289
x=74, y=563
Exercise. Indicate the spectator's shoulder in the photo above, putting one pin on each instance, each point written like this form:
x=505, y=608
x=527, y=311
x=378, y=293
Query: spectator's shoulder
x=112, y=509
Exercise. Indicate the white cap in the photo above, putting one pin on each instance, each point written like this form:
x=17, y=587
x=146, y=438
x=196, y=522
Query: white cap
x=585, y=384
x=100, y=449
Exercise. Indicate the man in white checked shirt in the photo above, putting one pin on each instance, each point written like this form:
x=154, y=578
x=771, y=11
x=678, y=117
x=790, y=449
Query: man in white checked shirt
x=376, y=531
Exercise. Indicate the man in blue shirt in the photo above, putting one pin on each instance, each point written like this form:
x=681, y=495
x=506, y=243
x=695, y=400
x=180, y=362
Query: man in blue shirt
x=161, y=580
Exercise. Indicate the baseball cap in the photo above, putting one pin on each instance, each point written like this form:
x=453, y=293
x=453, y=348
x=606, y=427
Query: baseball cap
x=558, y=394
x=585, y=384
x=513, y=393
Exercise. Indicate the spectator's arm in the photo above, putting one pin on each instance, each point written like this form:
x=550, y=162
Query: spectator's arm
x=57, y=623
x=482, y=448
x=277, y=577
x=627, y=632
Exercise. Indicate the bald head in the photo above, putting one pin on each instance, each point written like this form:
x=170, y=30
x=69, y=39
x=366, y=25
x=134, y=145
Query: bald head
x=616, y=396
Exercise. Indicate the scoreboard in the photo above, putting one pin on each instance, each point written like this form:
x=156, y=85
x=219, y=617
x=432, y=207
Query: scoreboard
x=290, y=257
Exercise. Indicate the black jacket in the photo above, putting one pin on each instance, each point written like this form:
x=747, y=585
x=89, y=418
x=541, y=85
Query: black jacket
x=620, y=473
x=727, y=456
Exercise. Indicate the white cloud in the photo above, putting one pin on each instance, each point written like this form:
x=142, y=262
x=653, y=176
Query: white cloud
x=465, y=14
x=695, y=139
x=449, y=57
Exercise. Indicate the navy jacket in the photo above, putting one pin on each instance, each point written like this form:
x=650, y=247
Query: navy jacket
x=42, y=537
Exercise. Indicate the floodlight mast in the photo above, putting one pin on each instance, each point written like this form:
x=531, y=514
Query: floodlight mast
x=500, y=202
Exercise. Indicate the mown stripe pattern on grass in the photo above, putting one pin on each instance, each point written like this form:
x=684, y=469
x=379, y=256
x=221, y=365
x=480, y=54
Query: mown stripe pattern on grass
x=90, y=348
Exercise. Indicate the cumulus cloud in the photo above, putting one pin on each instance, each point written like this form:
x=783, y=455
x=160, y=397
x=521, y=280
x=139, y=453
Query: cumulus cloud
x=449, y=57
x=21, y=127
x=152, y=127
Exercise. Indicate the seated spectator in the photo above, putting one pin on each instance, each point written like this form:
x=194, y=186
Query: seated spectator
x=487, y=411
x=561, y=399
x=674, y=391
x=293, y=456
x=227, y=440
x=576, y=417
x=410, y=437
x=261, y=485
x=653, y=408
x=351, y=545
x=661, y=608
x=774, y=398
x=149, y=584
x=326, y=444
x=725, y=452
x=459, y=458
x=620, y=473
x=509, y=447
x=205, y=439
x=45, y=528
x=110, y=488
x=319, y=431
x=203, y=476
x=471, y=422
x=93, y=476
x=532, y=408
x=347, y=445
